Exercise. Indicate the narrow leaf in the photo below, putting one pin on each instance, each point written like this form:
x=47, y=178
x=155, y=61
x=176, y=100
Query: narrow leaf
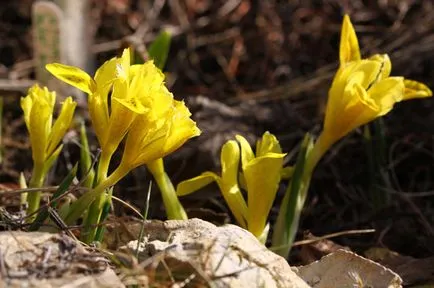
x=159, y=49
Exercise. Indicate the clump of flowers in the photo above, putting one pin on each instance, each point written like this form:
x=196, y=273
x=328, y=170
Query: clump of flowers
x=139, y=110
x=45, y=137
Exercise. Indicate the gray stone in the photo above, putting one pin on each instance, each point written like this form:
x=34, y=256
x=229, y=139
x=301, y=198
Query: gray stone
x=39, y=259
x=199, y=253
x=347, y=269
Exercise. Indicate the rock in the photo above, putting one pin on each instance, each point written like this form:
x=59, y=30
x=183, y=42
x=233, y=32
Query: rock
x=39, y=259
x=197, y=253
x=347, y=269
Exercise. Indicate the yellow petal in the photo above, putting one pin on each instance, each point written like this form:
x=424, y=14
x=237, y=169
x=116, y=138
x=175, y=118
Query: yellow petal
x=99, y=115
x=262, y=177
x=386, y=64
x=40, y=127
x=26, y=105
x=230, y=159
x=268, y=143
x=349, y=46
x=246, y=151
x=132, y=104
x=105, y=75
x=191, y=185
x=182, y=128
x=119, y=123
x=387, y=92
x=73, y=76
x=414, y=89
x=61, y=124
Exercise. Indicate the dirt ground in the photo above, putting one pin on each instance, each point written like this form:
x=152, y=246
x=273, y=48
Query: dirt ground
x=250, y=66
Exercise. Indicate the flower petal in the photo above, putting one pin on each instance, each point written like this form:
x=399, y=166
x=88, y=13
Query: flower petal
x=262, y=178
x=414, y=89
x=246, y=151
x=61, y=124
x=268, y=143
x=191, y=185
x=387, y=92
x=73, y=76
x=230, y=159
x=349, y=46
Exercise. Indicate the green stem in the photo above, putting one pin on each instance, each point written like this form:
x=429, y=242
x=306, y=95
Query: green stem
x=96, y=208
x=36, y=181
x=321, y=146
x=80, y=206
x=173, y=206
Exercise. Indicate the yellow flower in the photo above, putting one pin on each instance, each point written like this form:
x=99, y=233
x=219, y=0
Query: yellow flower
x=262, y=174
x=158, y=133
x=117, y=75
x=38, y=108
x=227, y=182
x=362, y=90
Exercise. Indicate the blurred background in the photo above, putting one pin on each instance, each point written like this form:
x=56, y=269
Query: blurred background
x=246, y=67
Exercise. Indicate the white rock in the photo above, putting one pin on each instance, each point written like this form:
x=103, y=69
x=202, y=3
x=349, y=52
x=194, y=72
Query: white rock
x=201, y=252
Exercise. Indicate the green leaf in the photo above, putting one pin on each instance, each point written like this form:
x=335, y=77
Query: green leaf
x=159, y=49
x=63, y=188
x=104, y=214
x=292, y=204
x=86, y=169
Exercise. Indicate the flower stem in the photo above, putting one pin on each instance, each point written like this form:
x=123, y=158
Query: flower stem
x=100, y=197
x=174, y=208
x=34, y=198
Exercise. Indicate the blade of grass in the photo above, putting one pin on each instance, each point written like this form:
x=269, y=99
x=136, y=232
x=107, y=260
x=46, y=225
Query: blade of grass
x=145, y=216
x=87, y=172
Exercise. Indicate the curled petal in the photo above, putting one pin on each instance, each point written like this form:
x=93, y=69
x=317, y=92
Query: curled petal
x=414, y=89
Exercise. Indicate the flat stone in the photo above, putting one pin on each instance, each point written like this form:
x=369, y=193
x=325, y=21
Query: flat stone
x=347, y=269
x=39, y=259
x=196, y=252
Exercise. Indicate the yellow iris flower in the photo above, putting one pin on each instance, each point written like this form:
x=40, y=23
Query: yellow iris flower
x=158, y=133
x=45, y=137
x=140, y=108
x=128, y=100
x=260, y=175
x=38, y=107
x=362, y=90
x=227, y=182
